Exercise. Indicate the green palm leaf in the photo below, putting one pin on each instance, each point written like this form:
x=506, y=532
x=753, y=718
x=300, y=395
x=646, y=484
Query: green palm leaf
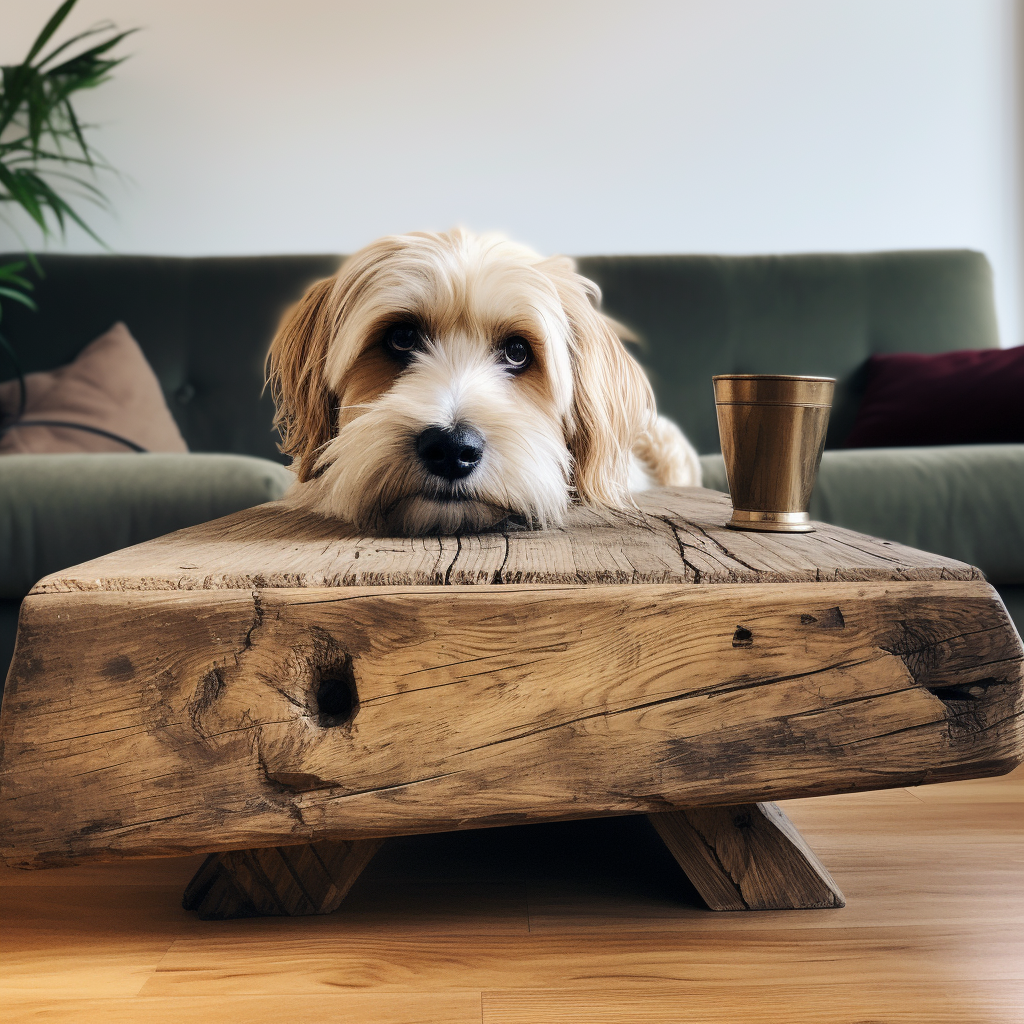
x=42, y=141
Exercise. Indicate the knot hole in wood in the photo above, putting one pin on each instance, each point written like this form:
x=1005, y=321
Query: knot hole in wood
x=337, y=699
x=742, y=637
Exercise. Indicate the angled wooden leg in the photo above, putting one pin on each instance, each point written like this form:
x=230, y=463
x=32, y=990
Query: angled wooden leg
x=278, y=881
x=747, y=857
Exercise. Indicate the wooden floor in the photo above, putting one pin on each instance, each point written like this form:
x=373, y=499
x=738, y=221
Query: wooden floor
x=584, y=922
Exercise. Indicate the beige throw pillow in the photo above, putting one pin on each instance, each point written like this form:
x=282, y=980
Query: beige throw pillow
x=109, y=387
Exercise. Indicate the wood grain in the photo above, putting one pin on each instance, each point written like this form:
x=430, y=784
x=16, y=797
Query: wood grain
x=638, y=962
x=715, y=1002
x=155, y=723
x=289, y=881
x=353, y=1008
x=678, y=535
x=748, y=857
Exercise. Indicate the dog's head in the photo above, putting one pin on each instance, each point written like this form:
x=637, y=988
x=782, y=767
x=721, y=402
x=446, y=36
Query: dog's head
x=445, y=382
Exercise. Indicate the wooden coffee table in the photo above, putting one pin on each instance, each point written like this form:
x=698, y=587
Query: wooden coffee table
x=279, y=692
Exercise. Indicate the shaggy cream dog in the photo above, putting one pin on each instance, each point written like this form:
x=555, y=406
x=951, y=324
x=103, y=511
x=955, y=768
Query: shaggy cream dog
x=450, y=382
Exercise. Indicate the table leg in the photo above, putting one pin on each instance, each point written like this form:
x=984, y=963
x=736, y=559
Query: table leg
x=747, y=857
x=289, y=881
x=743, y=857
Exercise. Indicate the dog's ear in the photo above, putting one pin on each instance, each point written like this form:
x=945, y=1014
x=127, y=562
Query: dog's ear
x=297, y=379
x=613, y=405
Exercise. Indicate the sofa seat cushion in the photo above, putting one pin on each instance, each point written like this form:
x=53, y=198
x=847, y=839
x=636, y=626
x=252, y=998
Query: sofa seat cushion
x=963, y=501
x=59, y=510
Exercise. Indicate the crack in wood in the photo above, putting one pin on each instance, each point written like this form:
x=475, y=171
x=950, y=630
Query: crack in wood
x=257, y=620
x=499, y=577
x=381, y=697
x=150, y=821
x=458, y=551
x=710, y=691
x=490, y=671
x=331, y=795
x=248, y=726
x=859, y=699
x=99, y=732
x=687, y=564
x=1013, y=717
x=292, y=699
x=436, y=668
x=759, y=573
x=102, y=768
x=880, y=555
x=436, y=576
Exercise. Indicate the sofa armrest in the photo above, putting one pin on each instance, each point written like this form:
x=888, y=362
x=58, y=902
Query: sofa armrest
x=59, y=510
x=963, y=501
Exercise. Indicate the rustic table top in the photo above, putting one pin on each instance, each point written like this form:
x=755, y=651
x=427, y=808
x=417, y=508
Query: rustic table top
x=272, y=678
x=677, y=536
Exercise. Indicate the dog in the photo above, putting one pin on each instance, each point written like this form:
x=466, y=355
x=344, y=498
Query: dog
x=449, y=382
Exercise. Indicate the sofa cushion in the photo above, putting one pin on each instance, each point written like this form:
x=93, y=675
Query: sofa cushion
x=59, y=510
x=109, y=396
x=963, y=501
x=970, y=397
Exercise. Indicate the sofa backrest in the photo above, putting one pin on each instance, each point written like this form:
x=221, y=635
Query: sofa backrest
x=205, y=324
x=820, y=315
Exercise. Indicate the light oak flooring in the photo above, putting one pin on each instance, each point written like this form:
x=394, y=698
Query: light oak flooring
x=586, y=922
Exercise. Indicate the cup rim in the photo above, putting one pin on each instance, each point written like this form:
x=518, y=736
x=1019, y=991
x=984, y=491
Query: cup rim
x=772, y=376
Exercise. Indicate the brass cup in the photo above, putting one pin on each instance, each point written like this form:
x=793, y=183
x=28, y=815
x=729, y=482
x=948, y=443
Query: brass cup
x=773, y=432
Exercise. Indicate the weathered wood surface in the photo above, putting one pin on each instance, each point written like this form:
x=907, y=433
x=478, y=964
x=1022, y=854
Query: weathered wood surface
x=747, y=857
x=148, y=723
x=678, y=536
x=278, y=881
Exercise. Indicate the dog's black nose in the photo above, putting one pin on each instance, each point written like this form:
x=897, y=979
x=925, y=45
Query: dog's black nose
x=450, y=452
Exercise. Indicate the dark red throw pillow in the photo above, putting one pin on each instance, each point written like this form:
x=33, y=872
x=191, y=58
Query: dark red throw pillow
x=970, y=397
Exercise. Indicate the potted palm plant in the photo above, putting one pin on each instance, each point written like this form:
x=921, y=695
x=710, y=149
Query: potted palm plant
x=46, y=160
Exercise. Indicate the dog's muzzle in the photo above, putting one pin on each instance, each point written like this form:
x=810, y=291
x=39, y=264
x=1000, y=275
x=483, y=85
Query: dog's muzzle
x=450, y=452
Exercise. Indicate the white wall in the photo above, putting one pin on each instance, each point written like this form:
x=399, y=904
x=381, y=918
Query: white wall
x=581, y=126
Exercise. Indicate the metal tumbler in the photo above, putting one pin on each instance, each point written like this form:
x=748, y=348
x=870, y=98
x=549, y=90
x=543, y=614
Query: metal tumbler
x=773, y=433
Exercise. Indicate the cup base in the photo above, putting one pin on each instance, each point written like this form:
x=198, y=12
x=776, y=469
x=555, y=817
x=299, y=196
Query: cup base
x=771, y=522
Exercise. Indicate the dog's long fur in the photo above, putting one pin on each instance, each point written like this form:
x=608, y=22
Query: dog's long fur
x=573, y=426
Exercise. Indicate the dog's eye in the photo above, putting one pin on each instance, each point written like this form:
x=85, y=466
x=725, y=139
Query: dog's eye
x=515, y=354
x=402, y=338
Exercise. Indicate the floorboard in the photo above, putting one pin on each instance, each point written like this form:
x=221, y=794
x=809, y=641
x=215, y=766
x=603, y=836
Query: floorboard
x=575, y=923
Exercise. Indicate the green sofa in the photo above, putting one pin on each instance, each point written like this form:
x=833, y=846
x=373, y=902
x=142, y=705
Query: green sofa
x=205, y=324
